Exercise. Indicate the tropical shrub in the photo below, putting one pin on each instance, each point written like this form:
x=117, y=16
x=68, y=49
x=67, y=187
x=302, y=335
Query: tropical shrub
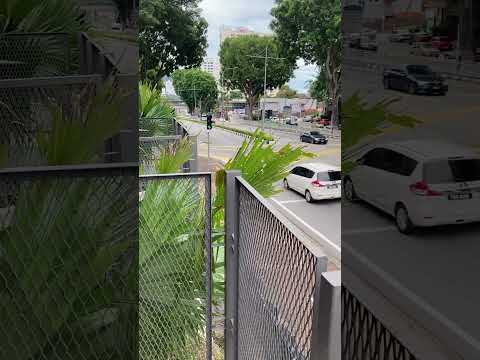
x=156, y=114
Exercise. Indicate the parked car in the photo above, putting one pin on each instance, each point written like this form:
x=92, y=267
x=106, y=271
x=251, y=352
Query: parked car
x=442, y=43
x=420, y=183
x=315, y=181
x=291, y=121
x=353, y=40
x=421, y=37
x=416, y=79
x=424, y=49
x=313, y=137
x=368, y=42
x=401, y=37
x=307, y=119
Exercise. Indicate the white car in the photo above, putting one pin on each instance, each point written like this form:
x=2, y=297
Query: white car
x=315, y=181
x=420, y=183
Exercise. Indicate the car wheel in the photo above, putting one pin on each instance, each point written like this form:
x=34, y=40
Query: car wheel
x=349, y=190
x=402, y=220
x=285, y=184
x=412, y=89
x=308, y=197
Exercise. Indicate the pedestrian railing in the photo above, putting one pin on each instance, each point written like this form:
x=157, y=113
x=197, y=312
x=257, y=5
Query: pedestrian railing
x=68, y=255
x=273, y=306
x=175, y=281
x=152, y=148
x=39, y=81
x=382, y=319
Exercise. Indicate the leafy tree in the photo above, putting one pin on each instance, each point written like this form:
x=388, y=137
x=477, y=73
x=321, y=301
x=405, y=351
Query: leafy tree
x=319, y=88
x=286, y=92
x=310, y=29
x=197, y=88
x=235, y=94
x=172, y=35
x=249, y=72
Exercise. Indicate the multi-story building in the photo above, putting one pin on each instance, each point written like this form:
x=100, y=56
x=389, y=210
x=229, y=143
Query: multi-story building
x=212, y=66
x=228, y=32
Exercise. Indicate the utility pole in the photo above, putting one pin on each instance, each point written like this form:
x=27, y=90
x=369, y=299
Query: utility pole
x=221, y=84
x=266, y=57
x=194, y=99
x=264, y=89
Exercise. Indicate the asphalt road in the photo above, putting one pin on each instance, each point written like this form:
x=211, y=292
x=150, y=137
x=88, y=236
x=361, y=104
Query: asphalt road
x=439, y=265
x=323, y=218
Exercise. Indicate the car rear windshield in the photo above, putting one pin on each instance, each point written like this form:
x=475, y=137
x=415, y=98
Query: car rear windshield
x=330, y=176
x=419, y=69
x=451, y=171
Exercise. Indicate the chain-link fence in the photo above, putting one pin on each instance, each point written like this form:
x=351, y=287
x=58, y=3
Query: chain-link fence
x=68, y=263
x=175, y=267
x=277, y=276
x=364, y=337
x=27, y=55
x=175, y=144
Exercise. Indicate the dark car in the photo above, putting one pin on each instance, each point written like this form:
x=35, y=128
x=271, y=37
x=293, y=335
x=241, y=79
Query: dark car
x=314, y=137
x=415, y=79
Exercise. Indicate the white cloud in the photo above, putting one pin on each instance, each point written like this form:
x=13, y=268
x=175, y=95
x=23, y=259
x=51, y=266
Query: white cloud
x=254, y=15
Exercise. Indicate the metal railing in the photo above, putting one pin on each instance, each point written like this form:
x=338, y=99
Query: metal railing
x=68, y=255
x=175, y=281
x=36, y=76
x=27, y=55
x=273, y=307
x=382, y=319
x=151, y=147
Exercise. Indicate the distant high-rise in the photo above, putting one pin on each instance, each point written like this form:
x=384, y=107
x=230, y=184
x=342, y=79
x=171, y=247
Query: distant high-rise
x=228, y=32
x=212, y=66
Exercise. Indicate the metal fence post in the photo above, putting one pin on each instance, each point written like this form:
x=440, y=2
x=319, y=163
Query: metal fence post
x=326, y=320
x=231, y=264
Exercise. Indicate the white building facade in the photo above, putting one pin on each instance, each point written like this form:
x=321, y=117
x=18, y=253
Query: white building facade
x=212, y=66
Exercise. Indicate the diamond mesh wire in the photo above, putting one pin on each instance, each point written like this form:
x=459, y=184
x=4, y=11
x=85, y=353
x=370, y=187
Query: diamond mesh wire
x=276, y=286
x=34, y=55
x=364, y=337
x=151, y=149
x=27, y=109
x=68, y=265
x=175, y=257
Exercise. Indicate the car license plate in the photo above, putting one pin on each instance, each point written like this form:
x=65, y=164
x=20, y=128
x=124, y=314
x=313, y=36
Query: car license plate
x=460, y=196
x=332, y=186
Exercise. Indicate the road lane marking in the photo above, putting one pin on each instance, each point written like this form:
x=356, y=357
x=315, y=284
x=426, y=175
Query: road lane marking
x=369, y=230
x=291, y=201
x=337, y=248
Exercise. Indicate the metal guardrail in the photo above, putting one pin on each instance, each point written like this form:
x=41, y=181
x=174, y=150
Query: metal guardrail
x=273, y=306
x=175, y=267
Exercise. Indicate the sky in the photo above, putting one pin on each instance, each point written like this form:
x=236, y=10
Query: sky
x=253, y=14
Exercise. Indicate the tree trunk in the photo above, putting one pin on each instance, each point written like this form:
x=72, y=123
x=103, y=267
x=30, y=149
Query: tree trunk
x=333, y=79
x=251, y=100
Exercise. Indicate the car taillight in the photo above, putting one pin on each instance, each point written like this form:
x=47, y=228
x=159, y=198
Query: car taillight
x=317, y=183
x=421, y=188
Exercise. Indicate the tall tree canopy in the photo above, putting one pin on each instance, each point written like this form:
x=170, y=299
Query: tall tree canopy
x=197, y=88
x=172, y=35
x=311, y=29
x=286, y=92
x=247, y=73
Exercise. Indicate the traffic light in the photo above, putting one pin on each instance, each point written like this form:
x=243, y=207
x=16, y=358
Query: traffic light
x=209, y=122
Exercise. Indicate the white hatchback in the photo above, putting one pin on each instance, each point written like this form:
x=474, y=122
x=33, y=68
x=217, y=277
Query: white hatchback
x=315, y=181
x=420, y=183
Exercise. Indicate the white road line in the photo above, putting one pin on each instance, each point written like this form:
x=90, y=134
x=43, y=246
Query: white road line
x=309, y=227
x=369, y=230
x=291, y=201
